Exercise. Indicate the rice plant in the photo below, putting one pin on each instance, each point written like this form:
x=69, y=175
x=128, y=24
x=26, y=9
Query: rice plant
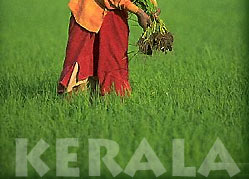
x=156, y=37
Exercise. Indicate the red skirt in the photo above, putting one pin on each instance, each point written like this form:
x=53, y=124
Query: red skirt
x=102, y=55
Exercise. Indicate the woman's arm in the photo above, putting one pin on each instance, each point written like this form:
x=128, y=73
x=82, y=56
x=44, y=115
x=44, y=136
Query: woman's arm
x=143, y=18
x=121, y=4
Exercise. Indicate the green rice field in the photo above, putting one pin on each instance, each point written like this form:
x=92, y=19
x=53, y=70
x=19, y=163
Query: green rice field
x=199, y=92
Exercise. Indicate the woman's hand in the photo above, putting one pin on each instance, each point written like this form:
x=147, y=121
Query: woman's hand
x=143, y=19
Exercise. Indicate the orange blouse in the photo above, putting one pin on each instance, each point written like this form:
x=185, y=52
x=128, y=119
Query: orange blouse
x=90, y=13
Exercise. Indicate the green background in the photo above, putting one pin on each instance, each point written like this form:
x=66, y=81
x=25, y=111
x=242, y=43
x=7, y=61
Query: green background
x=198, y=92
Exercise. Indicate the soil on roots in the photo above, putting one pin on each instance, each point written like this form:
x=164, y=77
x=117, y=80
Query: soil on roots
x=156, y=42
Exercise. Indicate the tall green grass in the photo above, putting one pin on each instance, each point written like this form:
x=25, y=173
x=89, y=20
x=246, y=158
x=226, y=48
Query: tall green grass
x=198, y=92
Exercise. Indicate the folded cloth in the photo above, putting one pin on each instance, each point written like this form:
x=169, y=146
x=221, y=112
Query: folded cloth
x=102, y=55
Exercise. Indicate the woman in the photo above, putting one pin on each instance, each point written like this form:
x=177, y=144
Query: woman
x=98, y=44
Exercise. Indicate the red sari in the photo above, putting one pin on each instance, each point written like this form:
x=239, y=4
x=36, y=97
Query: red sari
x=102, y=55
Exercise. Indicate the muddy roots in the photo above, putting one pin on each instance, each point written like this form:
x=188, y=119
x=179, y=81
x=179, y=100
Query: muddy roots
x=156, y=42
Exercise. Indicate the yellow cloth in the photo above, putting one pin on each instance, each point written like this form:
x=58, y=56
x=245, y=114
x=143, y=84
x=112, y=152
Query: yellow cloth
x=90, y=13
x=73, y=80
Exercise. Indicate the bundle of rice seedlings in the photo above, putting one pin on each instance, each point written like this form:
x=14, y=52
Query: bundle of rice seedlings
x=156, y=37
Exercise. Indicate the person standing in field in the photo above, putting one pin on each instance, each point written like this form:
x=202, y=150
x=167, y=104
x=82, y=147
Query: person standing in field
x=98, y=44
